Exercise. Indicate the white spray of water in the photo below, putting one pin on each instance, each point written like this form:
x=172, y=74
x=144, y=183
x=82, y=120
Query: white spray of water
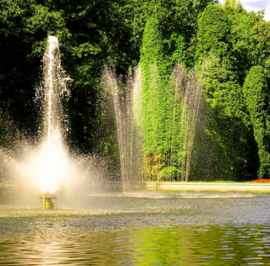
x=50, y=165
x=127, y=111
x=53, y=44
x=47, y=165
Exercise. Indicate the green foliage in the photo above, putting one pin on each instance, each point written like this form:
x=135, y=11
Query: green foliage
x=152, y=49
x=91, y=33
x=226, y=48
x=221, y=42
x=155, y=94
x=213, y=32
x=234, y=4
x=261, y=34
x=244, y=47
x=226, y=128
x=178, y=20
x=215, y=62
x=220, y=85
x=165, y=121
x=168, y=173
x=224, y=147
x=257, y=95
x=177, y=49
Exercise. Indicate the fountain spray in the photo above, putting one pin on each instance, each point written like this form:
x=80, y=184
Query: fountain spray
x=53, y=155
x=48, y=166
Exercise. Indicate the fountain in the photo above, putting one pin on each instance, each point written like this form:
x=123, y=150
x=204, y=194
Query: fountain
x=106, y=229
x=46, y=164
x=52, y=161
x=50, y=166
x=127, y=100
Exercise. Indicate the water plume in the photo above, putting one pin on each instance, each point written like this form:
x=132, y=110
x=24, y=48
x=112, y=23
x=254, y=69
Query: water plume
x=142, y=154
x=125, y=99
x=49, y=164
x=45, y=164
x=188, y=94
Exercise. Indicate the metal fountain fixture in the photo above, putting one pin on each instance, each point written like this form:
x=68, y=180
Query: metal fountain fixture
x=47, y=201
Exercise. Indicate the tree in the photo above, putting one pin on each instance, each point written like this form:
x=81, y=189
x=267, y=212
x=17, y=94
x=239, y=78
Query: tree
x=91, y=34
x=219, y=74
x=178, y=25
x=23, y=41
x=257, y=95
x=244, y=47
x=155, y=97
x=261, y=34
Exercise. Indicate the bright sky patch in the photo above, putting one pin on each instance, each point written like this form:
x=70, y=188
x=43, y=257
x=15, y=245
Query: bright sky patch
x=256, y=5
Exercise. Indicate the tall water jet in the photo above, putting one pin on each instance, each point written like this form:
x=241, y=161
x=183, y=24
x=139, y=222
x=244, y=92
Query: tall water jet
x=44, y=164
x=143, y=155
x=54, y=87
x=125, y=99
x=188, y=92
x=170, y=112
x=47, y=163
x=52, y=162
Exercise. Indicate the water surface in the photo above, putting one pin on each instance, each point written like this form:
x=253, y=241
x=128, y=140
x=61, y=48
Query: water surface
x=132, y=231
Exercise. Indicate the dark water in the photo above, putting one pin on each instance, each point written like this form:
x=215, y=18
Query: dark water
x=195, y=231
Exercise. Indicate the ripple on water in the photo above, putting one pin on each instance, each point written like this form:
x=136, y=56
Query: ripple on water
x=186, y=232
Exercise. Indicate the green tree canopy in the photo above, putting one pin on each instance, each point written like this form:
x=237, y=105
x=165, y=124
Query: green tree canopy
x=257, y=95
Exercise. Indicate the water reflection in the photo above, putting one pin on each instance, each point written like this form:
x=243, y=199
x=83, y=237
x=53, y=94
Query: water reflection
x=131, y=231
x=130, y=240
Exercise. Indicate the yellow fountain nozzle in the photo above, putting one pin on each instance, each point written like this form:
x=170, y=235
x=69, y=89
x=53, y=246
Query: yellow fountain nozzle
x=47, y=201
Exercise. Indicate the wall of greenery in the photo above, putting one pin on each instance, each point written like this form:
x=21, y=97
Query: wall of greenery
x=228, y=43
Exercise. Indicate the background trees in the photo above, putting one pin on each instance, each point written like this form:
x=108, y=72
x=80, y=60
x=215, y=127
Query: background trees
x=257, y=94
x=91, y=34
x=223, y=44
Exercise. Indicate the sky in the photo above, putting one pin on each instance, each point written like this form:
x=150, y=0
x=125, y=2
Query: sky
x=256, y=5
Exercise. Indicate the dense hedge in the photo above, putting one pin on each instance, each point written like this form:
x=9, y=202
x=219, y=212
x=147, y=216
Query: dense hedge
x=257, y=94
x=156, y=97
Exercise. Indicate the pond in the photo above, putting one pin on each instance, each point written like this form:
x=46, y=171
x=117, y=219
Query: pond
x=203, y=229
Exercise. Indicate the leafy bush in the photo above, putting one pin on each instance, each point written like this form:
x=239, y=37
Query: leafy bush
x=168, y=173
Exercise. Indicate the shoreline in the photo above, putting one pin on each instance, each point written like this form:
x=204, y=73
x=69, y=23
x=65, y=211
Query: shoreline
x=207, y=187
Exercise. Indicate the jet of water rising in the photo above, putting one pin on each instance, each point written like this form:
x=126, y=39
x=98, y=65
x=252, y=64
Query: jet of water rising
x=46, y=163
x=135, y=140
x=53, y=44
x=54, y=87
x=126, y=104
x=50, y=165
